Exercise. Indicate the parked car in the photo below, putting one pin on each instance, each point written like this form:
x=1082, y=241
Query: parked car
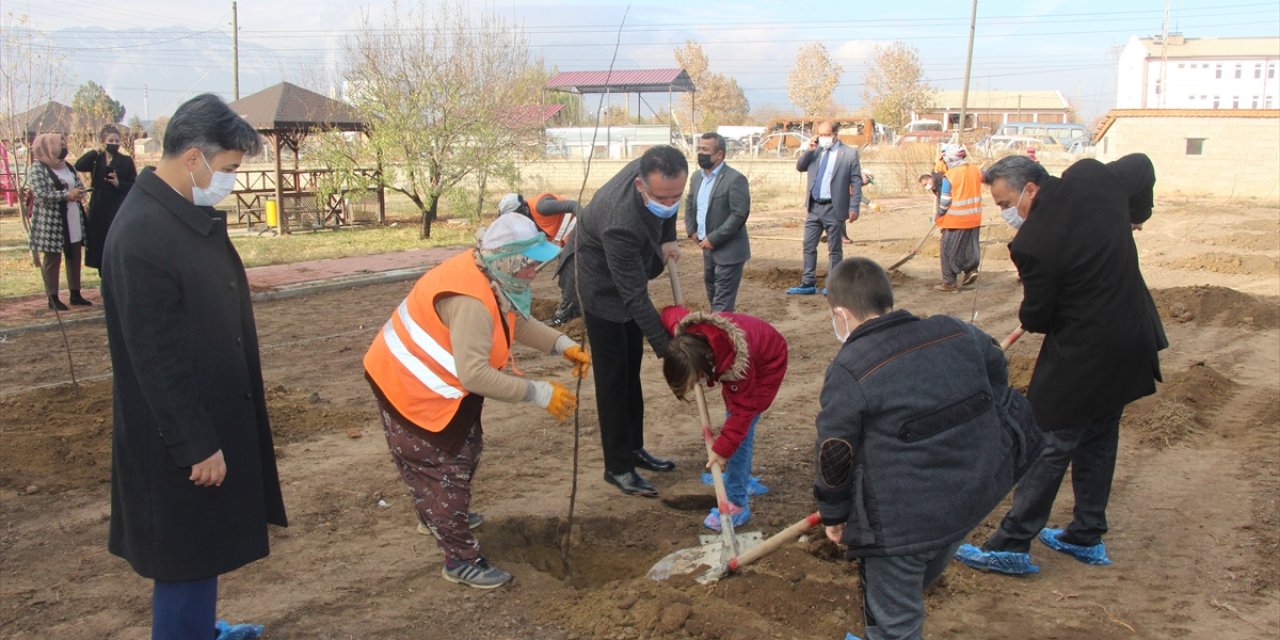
x=1003, y=145
x=783, y=144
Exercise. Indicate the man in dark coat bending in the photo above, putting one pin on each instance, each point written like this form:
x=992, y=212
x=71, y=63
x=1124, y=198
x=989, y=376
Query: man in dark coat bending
x=193, y=470
x=1083, y=289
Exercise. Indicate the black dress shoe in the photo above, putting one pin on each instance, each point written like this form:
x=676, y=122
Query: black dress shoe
x=646, y=461
x=631, y=484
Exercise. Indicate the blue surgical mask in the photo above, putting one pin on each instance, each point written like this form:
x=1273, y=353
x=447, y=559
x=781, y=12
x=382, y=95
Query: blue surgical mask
x=658, y=209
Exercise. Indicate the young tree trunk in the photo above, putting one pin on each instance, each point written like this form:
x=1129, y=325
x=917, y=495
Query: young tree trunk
x=429, y=215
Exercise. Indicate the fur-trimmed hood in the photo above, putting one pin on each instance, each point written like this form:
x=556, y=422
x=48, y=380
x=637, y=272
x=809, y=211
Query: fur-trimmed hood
x=728, y=341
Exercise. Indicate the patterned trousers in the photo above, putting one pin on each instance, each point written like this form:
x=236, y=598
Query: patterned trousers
x=960, y=252
x=439, y=480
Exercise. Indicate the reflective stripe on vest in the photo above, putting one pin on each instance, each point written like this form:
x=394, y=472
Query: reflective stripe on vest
x=418, y=368
x=425, y=341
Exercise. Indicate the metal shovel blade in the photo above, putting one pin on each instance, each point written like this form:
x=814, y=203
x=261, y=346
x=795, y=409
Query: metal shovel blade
x=711, y=553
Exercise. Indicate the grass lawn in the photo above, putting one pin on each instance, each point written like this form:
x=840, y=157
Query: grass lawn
x=19, y=277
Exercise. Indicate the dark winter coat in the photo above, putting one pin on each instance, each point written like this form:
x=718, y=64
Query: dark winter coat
x=750, y=363
x=618, y=250
x=1082, y=288
x=106, y=198
x=919, y=434
x=49, y=209
x=187, y=383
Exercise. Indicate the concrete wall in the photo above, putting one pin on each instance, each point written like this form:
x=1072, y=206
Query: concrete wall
x=1239, y=156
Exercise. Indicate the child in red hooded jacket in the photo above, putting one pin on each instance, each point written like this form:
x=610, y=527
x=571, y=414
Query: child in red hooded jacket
x=747, y=357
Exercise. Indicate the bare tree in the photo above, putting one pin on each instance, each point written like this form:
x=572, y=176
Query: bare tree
x=813, y=80
x=718, y=100
x=448, y=98
x=32, y=73
x=895, y=86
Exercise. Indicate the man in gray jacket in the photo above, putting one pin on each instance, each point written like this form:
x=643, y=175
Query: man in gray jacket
x=623, y=240
x=715, y=217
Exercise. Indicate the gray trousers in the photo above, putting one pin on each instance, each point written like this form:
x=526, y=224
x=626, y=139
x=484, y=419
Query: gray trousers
x=893, y=592
x=821, y=218
x=722, y=282
x=49, y=268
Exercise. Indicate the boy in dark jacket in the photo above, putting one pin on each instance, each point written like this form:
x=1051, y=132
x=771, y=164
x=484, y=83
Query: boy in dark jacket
x=748, y=357
x=919, y=437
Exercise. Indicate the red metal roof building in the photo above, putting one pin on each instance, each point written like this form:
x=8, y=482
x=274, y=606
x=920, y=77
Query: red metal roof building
x=622, y=81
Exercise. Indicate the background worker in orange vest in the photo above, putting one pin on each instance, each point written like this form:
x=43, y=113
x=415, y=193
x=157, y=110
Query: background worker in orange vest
x=960, y=218
x=557, y=216
x=436, y=360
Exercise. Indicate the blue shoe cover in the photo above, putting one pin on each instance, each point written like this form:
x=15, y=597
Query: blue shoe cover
x=1094, y=555
x=237, y=631
x=802, y=291
x=850, y=636
x=1010, y=562
x=740, y=518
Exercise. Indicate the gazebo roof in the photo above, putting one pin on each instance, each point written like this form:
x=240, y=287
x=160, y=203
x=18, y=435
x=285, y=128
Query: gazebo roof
x=626, y=81
x=288, y=107
x=52, y=117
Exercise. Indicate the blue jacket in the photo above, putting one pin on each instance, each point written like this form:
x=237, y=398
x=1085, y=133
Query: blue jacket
x=919, y=435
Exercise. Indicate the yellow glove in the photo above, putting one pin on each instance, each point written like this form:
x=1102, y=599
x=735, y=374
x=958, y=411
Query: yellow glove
x=563, y=402
x=581, y=360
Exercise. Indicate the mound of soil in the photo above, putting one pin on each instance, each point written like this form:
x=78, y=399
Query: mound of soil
x=1247, y=241
x=1020, y=368
x=1247, y=263
x=1207, y=305
x=1181, y=406
x=544, y=308
x=59, y=438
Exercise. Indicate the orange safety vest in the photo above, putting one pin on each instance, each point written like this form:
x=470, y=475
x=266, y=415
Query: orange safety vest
x=411, y=359
x=966, y=198
x=557, y=225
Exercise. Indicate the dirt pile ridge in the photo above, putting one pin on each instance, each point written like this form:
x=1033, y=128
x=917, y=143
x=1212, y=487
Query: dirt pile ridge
x=1208, y=305
x=1181, y=407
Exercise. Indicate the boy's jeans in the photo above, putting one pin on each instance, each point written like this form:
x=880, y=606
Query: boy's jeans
x=893, y=592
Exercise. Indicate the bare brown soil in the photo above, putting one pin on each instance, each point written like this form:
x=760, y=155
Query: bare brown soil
x=1194, y=511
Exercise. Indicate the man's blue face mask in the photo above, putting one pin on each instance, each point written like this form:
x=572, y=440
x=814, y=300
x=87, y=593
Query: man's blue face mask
x=662, y=211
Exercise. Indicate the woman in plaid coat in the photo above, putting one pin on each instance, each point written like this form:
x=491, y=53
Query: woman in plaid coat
x=57, y=216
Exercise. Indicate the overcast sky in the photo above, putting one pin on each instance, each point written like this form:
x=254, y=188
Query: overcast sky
x=178, y=49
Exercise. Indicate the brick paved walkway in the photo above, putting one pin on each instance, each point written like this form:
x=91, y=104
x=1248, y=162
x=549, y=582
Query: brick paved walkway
x=34, y=310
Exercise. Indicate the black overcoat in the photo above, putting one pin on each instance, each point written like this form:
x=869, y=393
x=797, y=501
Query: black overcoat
x=106, y=198
x=187, y=382
x=1083, y=288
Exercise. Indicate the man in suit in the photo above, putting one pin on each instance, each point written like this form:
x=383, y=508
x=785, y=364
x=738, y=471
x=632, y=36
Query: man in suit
x=833, y=197
x=623, y=240
x=716, y=218
x=1083, y=289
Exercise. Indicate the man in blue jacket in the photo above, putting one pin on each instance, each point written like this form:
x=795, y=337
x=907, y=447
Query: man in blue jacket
x=919, y=437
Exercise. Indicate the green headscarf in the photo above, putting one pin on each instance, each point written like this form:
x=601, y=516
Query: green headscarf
x=503, y=263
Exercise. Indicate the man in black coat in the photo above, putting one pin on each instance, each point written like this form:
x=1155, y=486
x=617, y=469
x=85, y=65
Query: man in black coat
x=1083, y=289
x=193, y=469
x=623, y=240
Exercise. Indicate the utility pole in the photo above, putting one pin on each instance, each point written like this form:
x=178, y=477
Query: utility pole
x=146, y=102
x=235, y=47
x=968, y=67
x=1163, y=87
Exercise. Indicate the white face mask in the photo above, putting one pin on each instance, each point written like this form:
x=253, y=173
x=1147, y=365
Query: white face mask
x=220, y=186
x=826, y=141
x=1010, y=214
x=840, y=338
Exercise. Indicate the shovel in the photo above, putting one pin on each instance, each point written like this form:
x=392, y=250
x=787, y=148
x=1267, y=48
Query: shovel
x=916, y=250
x=709, y=554
x=1013, y=337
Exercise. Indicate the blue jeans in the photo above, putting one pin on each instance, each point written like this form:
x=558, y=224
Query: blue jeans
x=184, y=610
x=738, y=471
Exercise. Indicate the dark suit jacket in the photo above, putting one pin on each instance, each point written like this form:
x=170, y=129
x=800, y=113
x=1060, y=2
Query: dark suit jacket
x=1083, y=289
x=727, y=212
x=846, y=179
x=618, y=249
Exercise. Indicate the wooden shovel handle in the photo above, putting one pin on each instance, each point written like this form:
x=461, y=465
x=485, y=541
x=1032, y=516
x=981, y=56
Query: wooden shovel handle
x=776, y=540
x=1013, y=337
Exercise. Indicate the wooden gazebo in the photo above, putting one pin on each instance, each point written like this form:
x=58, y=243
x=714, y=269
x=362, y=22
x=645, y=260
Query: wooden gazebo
x=286, y=114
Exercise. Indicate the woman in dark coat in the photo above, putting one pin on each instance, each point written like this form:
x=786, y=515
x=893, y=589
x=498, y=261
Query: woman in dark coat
x=57, y=216
x=111, y=175
x=193, y=470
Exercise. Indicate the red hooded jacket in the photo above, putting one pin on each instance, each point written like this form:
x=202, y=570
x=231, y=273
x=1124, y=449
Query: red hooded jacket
x=750, y=362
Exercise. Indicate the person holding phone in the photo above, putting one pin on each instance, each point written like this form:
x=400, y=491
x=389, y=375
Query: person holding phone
x=111, y=176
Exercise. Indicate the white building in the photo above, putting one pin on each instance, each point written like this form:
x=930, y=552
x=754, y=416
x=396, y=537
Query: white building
x=1199, y=73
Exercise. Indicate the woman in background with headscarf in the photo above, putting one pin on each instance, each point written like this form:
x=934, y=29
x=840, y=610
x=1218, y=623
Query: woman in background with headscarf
x=111, y=175
x=57, y=216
